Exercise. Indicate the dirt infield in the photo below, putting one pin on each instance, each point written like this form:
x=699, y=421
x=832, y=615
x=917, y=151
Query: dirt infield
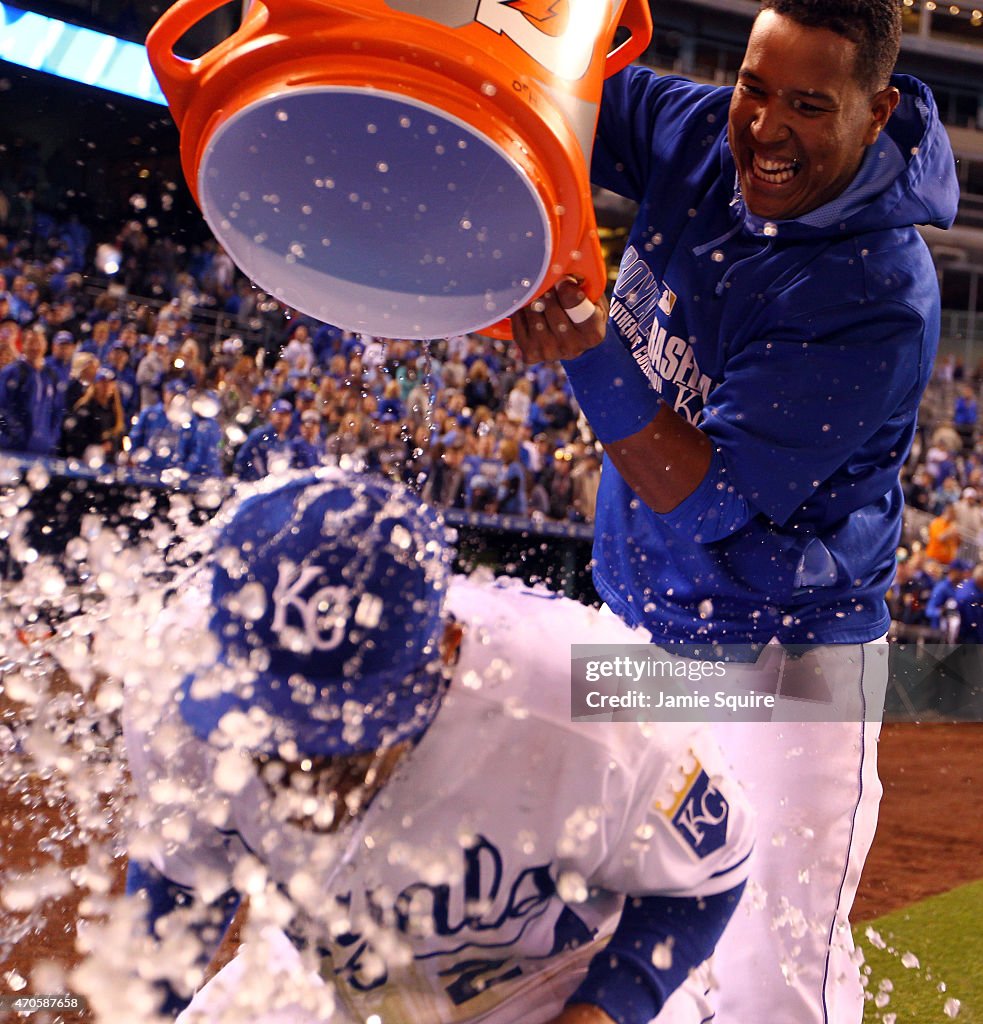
x=928, y=839
x=930, y=830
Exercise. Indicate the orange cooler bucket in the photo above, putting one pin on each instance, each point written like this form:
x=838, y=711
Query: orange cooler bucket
x=408, y=169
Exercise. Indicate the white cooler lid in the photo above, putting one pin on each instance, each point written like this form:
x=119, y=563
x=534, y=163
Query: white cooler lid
x=373, y=212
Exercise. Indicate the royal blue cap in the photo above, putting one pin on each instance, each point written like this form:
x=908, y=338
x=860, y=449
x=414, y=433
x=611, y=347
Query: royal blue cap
x=63, y=338
x=281, y=405
x=327, y=592
x=104, y=373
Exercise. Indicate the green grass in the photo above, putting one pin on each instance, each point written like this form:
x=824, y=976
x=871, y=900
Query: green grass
x=945, y=933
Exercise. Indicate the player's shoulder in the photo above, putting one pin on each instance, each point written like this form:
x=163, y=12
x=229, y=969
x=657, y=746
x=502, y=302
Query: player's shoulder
x=516, y=658
x=510, y=608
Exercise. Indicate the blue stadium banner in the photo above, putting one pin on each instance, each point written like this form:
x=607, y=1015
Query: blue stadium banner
x=78, y=54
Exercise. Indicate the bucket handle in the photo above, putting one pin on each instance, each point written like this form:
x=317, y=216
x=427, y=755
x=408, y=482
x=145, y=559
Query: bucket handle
x=637, y=18
x=176, y=75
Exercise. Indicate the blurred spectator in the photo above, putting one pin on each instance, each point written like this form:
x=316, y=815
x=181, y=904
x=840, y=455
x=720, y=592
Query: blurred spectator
x=188, y=364
x=31, y=402
x=969, y=600
x=948, y=493
x=299, y=352
x=201, y=443
x=126, y=379
x=484, y=471
x=99, y=341
x=943, y=537
x=155, y=440
x=944, y=592
x=586, y=481
x=9, y=342
x=62, y=352
x=388, y=451
x=350, y=435
x=519, y=403
x=267, y=448
x=511, y=496
x=307, y=448
x=919, y=490
x=479, y=389
x=915, y=579
x=969, y=515
x=965, y=415
x=559, y=484
x=93, y=430
x=151, y=371
x=304, y=402
x=445, y=485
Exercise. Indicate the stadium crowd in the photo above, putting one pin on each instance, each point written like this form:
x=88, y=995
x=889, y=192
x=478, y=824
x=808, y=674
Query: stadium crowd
x=146, y=354
x=171, y=363
x=938, y=588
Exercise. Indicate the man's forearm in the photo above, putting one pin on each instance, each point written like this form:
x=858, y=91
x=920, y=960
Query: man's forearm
x=664, y=462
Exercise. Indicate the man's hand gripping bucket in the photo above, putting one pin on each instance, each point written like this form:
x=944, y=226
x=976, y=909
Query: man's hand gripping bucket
x=406, y=169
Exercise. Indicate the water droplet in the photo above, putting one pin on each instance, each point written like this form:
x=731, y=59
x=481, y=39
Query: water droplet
x=38, y=477
x=951, y=1007
x=910, y=961
x=251, y=602
x=207, y=406
x=369, y=611
x=770, y=229
x=662, y=955
x=232, y=771
x=571, y=887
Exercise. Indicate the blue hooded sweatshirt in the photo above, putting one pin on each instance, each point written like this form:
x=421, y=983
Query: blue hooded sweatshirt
x=801, y=349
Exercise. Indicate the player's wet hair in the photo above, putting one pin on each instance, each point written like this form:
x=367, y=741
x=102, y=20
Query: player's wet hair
x=873, y=25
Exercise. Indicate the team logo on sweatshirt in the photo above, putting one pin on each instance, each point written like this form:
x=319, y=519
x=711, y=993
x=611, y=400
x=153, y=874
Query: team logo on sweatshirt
x=641, y=309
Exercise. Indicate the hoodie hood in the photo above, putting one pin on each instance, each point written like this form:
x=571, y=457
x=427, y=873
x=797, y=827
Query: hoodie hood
x=908, y=177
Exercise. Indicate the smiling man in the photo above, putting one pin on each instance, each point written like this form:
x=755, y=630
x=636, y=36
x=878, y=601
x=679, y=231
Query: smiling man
x=756, y=385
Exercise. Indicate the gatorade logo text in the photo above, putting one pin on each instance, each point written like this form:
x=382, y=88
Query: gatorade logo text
x=558, y=34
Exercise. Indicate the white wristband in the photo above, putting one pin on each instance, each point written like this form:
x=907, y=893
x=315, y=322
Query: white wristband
x=582, y=312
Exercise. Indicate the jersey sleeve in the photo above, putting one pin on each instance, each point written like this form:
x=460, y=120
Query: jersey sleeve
x=642, y=119
x=687, y=828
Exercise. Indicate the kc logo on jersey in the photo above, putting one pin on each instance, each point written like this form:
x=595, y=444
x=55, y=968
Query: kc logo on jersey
x=699, y=815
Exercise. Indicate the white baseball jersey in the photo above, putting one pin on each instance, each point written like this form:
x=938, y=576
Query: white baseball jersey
x=476, y=884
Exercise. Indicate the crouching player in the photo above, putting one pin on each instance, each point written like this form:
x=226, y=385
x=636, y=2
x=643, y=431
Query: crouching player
x=382, y=756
